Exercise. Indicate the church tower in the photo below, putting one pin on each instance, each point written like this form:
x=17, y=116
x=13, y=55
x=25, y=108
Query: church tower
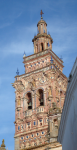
x=40, y=94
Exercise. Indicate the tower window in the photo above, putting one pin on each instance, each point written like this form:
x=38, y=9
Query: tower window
x=37, y=134
x=40, y=120
x=29, y=97
x=42, y=132
x=42, y=47
x=41, y=99
x=27, y=136
x=34, y=123
x=18, y=127
x=32, y=135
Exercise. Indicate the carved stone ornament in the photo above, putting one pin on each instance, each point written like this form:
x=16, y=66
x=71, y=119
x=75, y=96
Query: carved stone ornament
x=3, y=145
x=19, y=86
x=54, y=109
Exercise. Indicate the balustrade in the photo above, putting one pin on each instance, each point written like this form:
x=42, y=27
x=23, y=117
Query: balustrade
x=36, y=110
x=28, y=113
x=40, y=109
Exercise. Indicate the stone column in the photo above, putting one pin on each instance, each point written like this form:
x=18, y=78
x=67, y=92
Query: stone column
x=33, y=101
x=44, y=98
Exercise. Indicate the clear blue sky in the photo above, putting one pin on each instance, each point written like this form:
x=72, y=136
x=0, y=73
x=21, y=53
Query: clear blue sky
x=18, y=25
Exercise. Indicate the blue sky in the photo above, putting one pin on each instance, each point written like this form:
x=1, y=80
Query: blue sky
x=18, y=25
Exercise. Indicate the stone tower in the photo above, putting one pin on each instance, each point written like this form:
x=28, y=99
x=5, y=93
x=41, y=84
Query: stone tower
x=40, y=94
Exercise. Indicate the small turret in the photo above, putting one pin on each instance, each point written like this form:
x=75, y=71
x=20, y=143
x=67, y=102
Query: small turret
x=42, y=40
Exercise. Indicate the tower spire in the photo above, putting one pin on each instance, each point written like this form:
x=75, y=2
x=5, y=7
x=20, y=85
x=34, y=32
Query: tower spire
x=41, y=14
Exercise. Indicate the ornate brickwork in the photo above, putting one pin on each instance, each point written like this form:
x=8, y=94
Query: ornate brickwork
x=40, y=94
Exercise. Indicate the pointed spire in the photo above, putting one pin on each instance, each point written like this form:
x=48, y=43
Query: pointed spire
x=17, y=72
x=24, y=55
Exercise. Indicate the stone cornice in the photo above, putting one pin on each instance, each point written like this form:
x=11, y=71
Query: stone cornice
x=39, y=70
x=30, y=57
x=53, y=146
x=42, y=35
x=41, y=21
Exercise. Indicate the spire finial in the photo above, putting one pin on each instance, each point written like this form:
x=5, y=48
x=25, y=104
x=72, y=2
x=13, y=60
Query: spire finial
x=24, y=55
x=3, y=145
x=17, y=72
x=41, y=14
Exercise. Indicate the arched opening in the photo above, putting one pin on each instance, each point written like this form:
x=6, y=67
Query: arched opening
x=29, y=100
x=42, y=46
x=41, y=97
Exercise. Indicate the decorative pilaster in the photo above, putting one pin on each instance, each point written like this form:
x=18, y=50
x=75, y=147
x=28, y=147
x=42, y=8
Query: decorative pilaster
x=44, y=98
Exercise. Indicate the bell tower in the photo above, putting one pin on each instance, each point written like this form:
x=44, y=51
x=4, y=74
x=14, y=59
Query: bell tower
x=40, y=94
x=42, y=40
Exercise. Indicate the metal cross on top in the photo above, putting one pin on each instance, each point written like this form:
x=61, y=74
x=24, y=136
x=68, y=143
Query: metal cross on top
x=41, y=13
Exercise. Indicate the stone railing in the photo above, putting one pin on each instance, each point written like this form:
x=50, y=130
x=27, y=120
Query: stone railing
x=40, y=109
x=36, y=110
x=28, y=113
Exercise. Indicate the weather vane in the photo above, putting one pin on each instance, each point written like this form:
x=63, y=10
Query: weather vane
x=41, y=14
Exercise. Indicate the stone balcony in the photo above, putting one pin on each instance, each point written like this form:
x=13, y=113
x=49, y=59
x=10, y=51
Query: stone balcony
x=38, y=111
x=28, y=113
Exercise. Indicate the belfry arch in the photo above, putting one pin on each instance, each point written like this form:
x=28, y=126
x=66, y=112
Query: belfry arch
x=42, y=46
x=29, y=100
x=40, y=94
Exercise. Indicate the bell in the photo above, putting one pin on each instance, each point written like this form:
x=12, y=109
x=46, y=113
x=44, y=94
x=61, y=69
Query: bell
x=41, y=100
x=30, y=104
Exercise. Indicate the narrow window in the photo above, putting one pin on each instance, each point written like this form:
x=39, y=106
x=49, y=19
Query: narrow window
x=29, y=97
x=32, y=135
x=27, y=136
x=42, y=48
x=41, y=99
x=42, y=132
x=34, y=123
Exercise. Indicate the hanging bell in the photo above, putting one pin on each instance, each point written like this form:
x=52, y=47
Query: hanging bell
x=30, y=104
x=41, y=100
